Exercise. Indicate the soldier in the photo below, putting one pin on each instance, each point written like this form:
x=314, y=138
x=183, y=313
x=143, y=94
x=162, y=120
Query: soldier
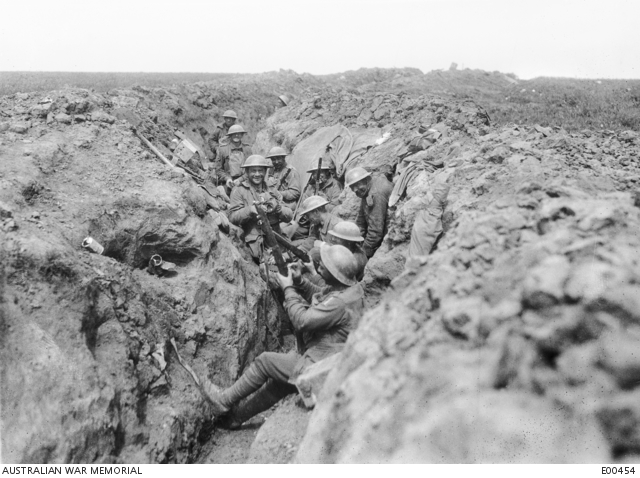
x=374, y=193
x=219, y=136
x=328, y=186
x=243, y=212
x=284, y=177
x=231, y=157
x=347, y=234
x=324, y=315
x=321, y=221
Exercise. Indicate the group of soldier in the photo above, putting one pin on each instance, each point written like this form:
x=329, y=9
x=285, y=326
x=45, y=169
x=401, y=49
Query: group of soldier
x=323, y=297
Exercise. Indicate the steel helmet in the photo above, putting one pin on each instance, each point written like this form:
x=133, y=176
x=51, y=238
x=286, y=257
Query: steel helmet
x=230, y=114
x=257, y=160
x=354, y=175
x=348, y=231
x=311, y=203
x=284, y=99
x=327, y=163
x=340, y=262
x=276, y=151
x=236, y=128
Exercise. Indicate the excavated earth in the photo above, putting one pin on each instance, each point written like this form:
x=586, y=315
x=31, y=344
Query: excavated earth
x=515, y=340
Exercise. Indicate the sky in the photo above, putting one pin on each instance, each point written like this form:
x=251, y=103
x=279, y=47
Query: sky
x=568, y=38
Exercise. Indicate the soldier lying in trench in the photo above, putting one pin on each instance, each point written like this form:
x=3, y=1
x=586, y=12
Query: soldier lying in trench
x=325, y=316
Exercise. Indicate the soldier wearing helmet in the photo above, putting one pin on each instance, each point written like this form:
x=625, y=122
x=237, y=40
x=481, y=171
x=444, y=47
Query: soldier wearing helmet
x=374, y=192
x=254, y=188
x=324, y=315
x=328, y=188
x=321, y=221
x=347, y=234
x=231, y=157
x=284, y=177
x=219, y=136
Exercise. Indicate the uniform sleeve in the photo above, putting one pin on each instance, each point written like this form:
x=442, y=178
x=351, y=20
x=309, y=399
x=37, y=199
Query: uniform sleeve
x=223, y=158
x=375, y=226
x=360, y=220
x=306, y=318
x=292, y=191
x=239, y=212
x=307, y=243
x=286, y=214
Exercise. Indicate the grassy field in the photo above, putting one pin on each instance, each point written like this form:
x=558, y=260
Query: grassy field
x=571, y=103
x=574, y=104
x=27, y=81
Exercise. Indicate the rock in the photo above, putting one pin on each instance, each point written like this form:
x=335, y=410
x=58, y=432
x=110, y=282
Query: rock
x=620, y=420
x=620, y=354
x=40, y=110
x=311, y=381
x=20, y=128
x=102, y=117
x=499, y=154
x=5, y=211
x=63, y=118
x=544, y=284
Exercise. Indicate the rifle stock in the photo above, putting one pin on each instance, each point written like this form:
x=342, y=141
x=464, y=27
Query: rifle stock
x=287, y=244
x=270, y=240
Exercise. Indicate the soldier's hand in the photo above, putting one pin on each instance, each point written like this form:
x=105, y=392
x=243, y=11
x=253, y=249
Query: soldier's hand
x=284, y=281
x=229, y=183
x=277, y=208
x=295, y=272
x=310, y=268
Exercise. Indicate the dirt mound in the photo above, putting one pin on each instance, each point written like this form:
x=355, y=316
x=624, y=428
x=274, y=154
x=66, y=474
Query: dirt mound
x=517, y=310
x=88, y=374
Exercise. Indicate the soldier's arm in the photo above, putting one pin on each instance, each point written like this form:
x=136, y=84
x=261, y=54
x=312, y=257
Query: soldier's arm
x=360, y=220
x=221, y=163
x=239, y=213
x=375, y=226
x=306, y=318
x=292, y=191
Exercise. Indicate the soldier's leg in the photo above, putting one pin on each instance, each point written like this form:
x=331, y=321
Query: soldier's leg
x=266, y=397
x=268, y=365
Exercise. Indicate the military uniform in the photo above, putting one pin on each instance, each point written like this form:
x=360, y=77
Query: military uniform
x=242, y=198
x=324, y=316
x=230, y=161
x=218, y=138
x=372, y=217
x=319, y=233
x=330, y=190
x=287, y=182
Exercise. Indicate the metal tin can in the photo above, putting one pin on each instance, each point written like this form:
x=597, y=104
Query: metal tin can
x=92, y=245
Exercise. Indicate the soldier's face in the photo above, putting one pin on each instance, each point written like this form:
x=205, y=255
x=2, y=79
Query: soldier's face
x=324, y=176
x=229, y=121
x=235, y=137
x=361, y=187
x=278, y=162
x=256, y=174
x=338, y=241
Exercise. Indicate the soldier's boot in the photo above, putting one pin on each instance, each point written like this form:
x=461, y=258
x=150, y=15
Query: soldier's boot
x=222, y=400
x=268, y=395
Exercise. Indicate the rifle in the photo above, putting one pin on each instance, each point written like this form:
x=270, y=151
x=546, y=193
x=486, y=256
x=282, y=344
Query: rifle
x=270, y=239
x=283, y=179
x=318, y=175
x=195, y=176
x=287, y=244
x=271, y=242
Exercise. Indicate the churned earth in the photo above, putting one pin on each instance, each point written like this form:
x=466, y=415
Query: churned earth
x=514, y=340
